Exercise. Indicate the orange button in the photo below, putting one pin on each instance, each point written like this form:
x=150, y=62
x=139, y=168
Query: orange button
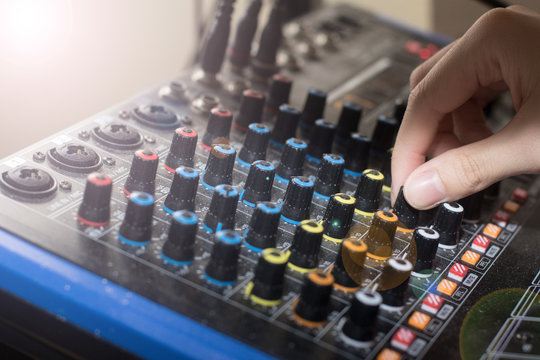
x=511, y=206
x=447, y=287
x=470, y=257
x=492, y=230
x=388, y=354
x=419, y=320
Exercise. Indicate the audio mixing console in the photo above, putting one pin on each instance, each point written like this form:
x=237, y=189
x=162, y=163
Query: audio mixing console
x=242, y=211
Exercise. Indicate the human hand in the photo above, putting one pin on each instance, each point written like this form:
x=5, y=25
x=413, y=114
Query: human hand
x=444, y=119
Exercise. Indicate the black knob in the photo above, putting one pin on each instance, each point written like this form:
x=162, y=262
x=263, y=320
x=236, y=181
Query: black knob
x=313, y=110
x=215, y=45
x=338, y=216
x=258, y=183
x=219, y=166
x=368, y=192
x=279, y=92
x=297, y=200
x=472, y=206
x=262, y=230
x=264, y=62
x=380, y=235
x=357, y=154
x=355, y=251
x=222, y=211
x=387, y=170
x=239, y=52
x=407, y=215
x=285, y=125
x=136, y=229
x=218, y=127
x=348, y=121
x=447, y=223
x=426, y=241
x=182, y=149
x=222, y=268
x=292, y=159
x=395, y=295
x=179, y=248
x=329, y=175
x=95, y=209
x=311, y=309
x=306, y=246
x=361, y=322
x=251, y=108
x=384, y=134
x=142, y=175
x=266, y=288
x=255, y=144
x=183, y=190
x=322, y=136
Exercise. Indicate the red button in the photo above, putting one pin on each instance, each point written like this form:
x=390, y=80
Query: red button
x=501, y=218
x=520, y=195
x=412, y=47
x=480, y=243
x=458, y=272
x=432, y=303
x=402, y=339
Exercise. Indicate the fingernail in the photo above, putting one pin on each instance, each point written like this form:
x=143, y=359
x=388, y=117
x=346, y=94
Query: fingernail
x=425, y=190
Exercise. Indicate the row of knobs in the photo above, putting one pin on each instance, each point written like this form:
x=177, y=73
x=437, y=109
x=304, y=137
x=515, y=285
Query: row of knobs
x=311, y=308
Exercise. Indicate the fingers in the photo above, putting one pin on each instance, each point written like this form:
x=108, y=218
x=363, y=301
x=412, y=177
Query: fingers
x=421, y=71
x=468, y=66
x=460, y=172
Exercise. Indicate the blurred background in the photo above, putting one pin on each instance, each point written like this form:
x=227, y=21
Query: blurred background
x=64, y=60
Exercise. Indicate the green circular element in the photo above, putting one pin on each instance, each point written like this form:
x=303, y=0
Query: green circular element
x=484, y=320
x=421, y=284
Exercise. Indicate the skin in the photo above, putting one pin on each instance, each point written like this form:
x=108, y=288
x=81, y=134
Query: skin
x=444, y=120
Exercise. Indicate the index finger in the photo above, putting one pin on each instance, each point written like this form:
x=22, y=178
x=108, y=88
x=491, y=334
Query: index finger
x=468, y=66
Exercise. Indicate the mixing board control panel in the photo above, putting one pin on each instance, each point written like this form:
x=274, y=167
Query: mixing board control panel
x=246, y=204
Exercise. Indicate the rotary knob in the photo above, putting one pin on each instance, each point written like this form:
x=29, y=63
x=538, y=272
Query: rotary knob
x=183, y=190
x=297, y=200
x=222, y=268
x=322, y=136
x=182, y=149
x=448, y=223
x=179, y=248
x=357, y=154
x=285, y=125
x=258, y=183
x=95, y=209
x=251, y=108
x=368, y=192
x=329, y=176
x=426, y=241
x=255, y=144
x=222, y=211
x=219, y=166
x=219, y=126
x=348, y=121
x=360, y=324
x=311, y=308
x=306, y=246
x=313, y=110
x=136, y=229
x=338, y=216
x=142, y=175
x=279, y=92
x=262, y=230
x=292, y=160
x=266, y=288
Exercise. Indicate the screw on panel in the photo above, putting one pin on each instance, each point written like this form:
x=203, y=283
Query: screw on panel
x=84, y=135
x=109, y=161
x=38, y=156
x=124, y=114
x=186, y=120
x=65, y=185
x=149, y=139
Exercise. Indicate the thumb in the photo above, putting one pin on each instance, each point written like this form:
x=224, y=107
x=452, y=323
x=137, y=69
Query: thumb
x=466, y=170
